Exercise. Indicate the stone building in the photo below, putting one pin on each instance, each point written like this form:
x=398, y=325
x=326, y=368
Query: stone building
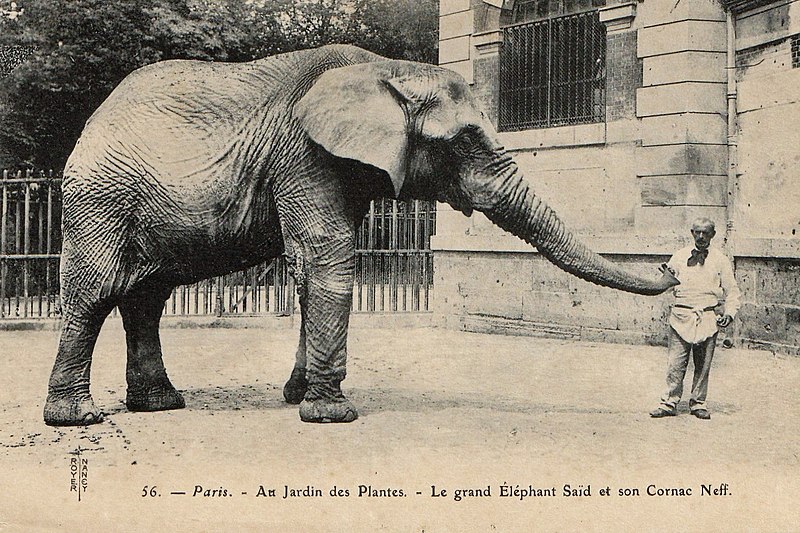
x=631, y=118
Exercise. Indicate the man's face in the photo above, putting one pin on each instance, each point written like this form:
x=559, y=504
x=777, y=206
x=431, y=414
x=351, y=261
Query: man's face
x=702, y=233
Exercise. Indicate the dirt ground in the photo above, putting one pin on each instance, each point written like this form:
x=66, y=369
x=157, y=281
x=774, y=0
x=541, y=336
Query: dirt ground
x=440, y=410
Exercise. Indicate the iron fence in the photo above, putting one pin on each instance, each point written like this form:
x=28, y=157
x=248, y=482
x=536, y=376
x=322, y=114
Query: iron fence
x=394, y=263
x=552, y=73
x=30, y=243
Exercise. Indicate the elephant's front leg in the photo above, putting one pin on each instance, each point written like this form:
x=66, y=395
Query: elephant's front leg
x=329, y=272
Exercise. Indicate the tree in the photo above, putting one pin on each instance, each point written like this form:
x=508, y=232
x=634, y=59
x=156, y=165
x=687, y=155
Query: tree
x=79, y=50
x=401, y=29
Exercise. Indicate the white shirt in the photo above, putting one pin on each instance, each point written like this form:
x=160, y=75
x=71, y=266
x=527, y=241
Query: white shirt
x=702, y=288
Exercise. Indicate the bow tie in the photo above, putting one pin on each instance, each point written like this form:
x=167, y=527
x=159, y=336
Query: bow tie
x=698, y=257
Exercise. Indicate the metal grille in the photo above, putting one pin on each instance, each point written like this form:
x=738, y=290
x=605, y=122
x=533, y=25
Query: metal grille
x=552, y=73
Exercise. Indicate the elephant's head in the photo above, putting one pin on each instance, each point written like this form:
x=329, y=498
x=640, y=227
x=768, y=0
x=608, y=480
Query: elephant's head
x=422, y=126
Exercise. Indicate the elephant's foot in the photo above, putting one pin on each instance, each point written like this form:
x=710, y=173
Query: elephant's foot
x=295, y=389
x=71, y=411
x=162, y=397
x=328, y=410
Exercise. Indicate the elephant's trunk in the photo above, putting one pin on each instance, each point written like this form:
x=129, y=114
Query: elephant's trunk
x=524, y=214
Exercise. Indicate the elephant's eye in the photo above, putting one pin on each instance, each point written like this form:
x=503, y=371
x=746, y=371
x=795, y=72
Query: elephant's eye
x=463, y=142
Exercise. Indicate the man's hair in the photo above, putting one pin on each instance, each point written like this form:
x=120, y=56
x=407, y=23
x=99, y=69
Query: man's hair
x=704, y=221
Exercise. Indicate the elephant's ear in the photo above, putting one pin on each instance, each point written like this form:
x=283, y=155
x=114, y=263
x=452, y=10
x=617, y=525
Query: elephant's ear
x=354, y=113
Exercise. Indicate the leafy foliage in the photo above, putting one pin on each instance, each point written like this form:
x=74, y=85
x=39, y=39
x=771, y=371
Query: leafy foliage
x=78, y=50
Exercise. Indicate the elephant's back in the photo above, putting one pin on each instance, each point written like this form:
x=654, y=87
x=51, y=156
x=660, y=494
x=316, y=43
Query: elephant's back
x=182, y=118
x=171, y=114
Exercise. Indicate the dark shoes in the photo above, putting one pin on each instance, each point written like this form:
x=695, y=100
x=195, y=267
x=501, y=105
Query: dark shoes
x=660, y=412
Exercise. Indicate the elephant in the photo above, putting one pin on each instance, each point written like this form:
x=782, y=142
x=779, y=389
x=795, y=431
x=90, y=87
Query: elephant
x=193, y=169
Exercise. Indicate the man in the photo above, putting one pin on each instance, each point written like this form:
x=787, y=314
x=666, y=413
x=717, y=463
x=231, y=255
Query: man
x=706, y=277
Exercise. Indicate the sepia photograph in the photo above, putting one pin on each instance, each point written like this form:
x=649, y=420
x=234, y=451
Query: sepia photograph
x=399, y=265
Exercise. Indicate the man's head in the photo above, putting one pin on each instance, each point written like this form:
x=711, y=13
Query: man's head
x=703, y=232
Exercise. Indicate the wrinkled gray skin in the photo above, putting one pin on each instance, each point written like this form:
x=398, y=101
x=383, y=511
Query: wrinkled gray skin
x=194, y=169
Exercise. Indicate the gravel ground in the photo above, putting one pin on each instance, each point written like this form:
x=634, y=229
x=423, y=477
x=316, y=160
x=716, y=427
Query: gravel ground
x=441, y=411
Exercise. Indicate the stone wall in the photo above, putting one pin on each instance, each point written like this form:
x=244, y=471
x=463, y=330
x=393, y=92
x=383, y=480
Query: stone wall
x=631, y=186
x=524, y=294
x=770, y=315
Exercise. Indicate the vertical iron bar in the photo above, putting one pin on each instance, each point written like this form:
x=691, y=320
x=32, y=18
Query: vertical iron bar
x=371, y=248
x=17, y=241
x=395, y=257
x=383, y=255
x=27, y=246
x=417, y=252
x=3, y=244
x=49, y=248
x=426, y=245
x=40, y=247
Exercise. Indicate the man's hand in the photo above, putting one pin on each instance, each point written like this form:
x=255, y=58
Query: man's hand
x=724, y=321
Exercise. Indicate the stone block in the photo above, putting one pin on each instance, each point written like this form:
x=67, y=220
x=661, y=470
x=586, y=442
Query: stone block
x=768, y=25
x=546, y=277
x=496, y=272
x=500, y=326
x=560, y=137
x=662, y=160
x=455, y=25
x=453, y=50
x=595, y=310
x=547, y=307
x=618, y=17
x=778, y=282
x=774, y=90
x=463, y=68
x=684, y=97
x=762, y=322
x=493, y=301
x=768, y=202
x=659, y=12
x=684, y=190
x=623, y=131
x=746, y=276
x=682, y=36
x=695, y=128
x=666, y=219
x=447, y=7
x=684, y=66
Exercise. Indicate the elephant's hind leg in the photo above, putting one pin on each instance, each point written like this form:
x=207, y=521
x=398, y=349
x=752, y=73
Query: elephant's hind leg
x=69, y=402
x=149, y=388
